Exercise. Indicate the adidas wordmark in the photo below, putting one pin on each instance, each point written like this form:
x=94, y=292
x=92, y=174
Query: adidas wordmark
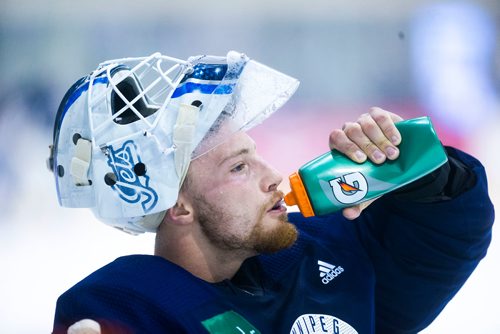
x=328, y=271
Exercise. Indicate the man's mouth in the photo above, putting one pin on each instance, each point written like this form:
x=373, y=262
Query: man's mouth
x=278, y=206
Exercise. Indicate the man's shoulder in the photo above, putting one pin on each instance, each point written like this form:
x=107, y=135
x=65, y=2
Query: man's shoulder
x=151, y=279
x=137, y=293
x=134, y=269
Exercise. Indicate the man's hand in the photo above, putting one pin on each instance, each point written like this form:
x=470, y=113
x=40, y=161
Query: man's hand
x=373, y=136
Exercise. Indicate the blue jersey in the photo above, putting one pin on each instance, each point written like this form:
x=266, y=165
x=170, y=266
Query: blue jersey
x=392, y=270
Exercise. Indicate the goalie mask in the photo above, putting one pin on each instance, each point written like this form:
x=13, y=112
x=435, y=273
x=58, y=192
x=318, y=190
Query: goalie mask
x=125, y=134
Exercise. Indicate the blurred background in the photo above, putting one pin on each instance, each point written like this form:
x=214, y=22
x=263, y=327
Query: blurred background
x=414, y=57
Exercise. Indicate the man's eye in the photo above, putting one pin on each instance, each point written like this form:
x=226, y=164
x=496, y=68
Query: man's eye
x=238, y=168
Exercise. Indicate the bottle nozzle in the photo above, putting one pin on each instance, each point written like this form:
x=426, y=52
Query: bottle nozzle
x=290, y=199
x=298, y=196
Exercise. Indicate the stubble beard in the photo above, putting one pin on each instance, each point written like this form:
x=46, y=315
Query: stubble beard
x=261, y=240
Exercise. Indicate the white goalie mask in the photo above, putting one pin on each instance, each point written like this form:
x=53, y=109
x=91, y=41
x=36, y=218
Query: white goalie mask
x=125, y=134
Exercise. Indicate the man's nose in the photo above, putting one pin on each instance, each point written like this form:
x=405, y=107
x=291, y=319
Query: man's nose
x=272, y=180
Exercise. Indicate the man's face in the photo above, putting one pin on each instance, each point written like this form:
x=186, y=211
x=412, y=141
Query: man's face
x=235, y=199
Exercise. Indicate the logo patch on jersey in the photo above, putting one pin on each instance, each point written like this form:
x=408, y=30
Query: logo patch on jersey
x=229, y=322
x=349, y=188
x=328, y=272
x=130, y=187
x=321, y=323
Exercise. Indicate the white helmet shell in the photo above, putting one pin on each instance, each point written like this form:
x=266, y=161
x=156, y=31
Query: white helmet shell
x=125, y=134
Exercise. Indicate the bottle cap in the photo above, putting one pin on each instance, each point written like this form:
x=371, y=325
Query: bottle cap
x=298, y=196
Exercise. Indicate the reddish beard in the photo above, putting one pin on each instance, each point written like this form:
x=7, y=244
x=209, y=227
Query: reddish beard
x=262, y=239
x=282, y=236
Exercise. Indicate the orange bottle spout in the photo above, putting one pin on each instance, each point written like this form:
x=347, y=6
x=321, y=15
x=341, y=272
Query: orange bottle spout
x=290, y=199
x=298, y=196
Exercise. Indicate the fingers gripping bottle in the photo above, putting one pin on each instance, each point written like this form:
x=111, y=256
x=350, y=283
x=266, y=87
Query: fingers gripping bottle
x=332, y=181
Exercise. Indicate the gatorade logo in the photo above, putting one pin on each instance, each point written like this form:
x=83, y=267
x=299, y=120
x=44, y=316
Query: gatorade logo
x=349, y=188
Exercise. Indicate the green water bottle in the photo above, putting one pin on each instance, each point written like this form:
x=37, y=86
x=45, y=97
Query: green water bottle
x=332, y=181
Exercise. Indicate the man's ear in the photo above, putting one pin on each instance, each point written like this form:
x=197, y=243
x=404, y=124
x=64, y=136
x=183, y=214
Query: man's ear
x=181, y=213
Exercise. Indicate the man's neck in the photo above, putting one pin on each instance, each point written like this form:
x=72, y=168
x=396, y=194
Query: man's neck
x=198, y=256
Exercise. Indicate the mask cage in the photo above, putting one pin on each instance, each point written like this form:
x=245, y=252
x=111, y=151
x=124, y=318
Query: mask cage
x=138, y=92
x=131, y=87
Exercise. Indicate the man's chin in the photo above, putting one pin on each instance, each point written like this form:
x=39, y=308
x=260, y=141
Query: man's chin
x=282, y=236
x=278, y=219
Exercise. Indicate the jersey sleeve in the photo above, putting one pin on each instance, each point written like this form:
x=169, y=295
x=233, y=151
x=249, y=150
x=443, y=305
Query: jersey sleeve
x=424, y=251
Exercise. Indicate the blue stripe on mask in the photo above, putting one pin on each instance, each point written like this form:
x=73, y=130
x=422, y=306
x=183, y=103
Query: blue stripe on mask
x=190, y=87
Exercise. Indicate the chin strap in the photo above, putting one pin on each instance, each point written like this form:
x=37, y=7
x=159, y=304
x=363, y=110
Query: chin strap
x=80, y=162
x=183, y=137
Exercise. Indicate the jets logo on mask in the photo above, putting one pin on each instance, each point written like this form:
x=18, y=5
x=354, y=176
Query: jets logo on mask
x=131, y=187
x=349, y=188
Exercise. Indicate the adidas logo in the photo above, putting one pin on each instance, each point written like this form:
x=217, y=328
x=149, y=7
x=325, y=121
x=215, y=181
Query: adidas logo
x=328, y=271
